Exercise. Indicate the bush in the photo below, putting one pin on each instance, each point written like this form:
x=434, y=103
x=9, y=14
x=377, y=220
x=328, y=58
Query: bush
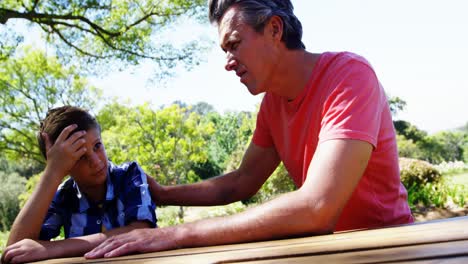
x=3, y=240
x=278, y=183
x=415, y=172
x=12, y=186
x=440, y=195
x=30, y=185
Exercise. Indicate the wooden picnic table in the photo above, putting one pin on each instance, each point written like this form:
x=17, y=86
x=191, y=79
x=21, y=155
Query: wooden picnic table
x=438, y=241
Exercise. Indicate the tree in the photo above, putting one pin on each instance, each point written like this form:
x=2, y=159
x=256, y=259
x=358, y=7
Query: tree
x=409, y=131
x=107, y=29
x=450, y=145
x=233, y=130
x=202, y=108
x=396, y=104
x=30, y=84
x=167, y=143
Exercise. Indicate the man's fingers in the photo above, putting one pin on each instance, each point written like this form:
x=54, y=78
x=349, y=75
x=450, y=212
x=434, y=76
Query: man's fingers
x=106, y=246
x=122, y=250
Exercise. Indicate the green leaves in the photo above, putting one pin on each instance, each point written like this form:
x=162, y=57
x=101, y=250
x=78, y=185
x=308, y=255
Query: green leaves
x=104, y=29
x=166, y=142
x=30, y=84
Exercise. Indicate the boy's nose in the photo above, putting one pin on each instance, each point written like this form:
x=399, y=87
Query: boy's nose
x=94, y=161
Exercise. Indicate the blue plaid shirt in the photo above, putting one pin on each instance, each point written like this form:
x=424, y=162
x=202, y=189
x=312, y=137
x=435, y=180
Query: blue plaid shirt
x=127, y=200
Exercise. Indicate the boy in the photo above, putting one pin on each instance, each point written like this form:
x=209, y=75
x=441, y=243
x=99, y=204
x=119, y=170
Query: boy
x=98, y=201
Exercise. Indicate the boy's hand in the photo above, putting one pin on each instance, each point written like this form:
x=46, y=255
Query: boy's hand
x=26, y=250
x=66, y=151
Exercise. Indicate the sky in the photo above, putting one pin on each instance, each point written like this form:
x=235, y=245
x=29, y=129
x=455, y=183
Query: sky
x=418, y=49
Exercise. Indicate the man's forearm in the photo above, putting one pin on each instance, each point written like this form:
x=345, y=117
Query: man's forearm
x=286, y=216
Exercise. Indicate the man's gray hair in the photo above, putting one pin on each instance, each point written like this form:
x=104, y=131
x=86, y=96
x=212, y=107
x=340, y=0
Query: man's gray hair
x=256, y=13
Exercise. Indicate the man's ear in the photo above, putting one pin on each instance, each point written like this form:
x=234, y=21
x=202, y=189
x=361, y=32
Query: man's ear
x=275, y=27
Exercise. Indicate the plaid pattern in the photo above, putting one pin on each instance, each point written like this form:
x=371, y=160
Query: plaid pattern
x=127, y=200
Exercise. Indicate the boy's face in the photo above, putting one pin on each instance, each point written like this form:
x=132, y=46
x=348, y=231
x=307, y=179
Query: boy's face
x=91, y=170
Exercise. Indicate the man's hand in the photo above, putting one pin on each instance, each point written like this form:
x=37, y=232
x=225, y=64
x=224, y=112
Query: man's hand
x=138, y=240
x=66, y=151
x=155, y=189
x=26, y=250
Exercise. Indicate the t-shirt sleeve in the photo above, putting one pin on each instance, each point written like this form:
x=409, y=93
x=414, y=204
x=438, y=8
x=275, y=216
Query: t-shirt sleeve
x=138, y=205
x=262, y=136
x=53, y=220
x=354, y=107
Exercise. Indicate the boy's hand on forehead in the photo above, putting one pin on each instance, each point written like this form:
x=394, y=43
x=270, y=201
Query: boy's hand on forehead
x=66, y=151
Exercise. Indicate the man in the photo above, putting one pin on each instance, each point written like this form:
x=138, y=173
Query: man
x=324, y=115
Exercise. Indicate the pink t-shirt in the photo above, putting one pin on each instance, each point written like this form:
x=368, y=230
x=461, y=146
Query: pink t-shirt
x=342, y=100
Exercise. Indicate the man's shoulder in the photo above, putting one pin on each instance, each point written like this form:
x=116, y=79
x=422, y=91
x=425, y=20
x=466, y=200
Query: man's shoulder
x=336, y=60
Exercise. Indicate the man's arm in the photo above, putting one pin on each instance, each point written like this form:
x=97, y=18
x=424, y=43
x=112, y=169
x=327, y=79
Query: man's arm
x=28, y=250
x=333, y=174
x=256, y=166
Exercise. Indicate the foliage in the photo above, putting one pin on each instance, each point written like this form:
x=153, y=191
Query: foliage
x=9, y=40
x=233, y=131
x=103, y=29
x=225, y=210
x=443, y=146
x=29, y=188
x=396, y=105
x=408, y=149
x=415, y=172
x=440, y=194
x=12, y=186
x=278, y=183
x=166, y=142
x=169, y=215
x=31, y=84
x=409, y=131
x=3, y=240
x=448, y=145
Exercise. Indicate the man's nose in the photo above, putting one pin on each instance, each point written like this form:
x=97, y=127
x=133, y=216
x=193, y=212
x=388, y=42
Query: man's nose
x=231, y=62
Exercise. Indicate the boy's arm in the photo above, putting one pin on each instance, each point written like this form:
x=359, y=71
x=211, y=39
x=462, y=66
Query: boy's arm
x=61, y=157
x=32, y=250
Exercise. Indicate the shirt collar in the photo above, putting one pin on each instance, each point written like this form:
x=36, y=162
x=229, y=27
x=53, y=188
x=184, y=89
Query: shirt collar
x=83, y=201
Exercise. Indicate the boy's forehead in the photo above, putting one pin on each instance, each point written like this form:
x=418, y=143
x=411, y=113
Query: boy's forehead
x=93, y=133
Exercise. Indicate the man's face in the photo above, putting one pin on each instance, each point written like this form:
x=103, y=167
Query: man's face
x=248, y=52
x=91, y=169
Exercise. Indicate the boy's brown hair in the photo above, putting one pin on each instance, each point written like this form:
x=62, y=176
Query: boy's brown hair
x=59, y=118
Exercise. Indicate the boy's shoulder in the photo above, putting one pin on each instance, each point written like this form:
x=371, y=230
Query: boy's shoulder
x=126, y=173
x=124, y=168
x=66, y=193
